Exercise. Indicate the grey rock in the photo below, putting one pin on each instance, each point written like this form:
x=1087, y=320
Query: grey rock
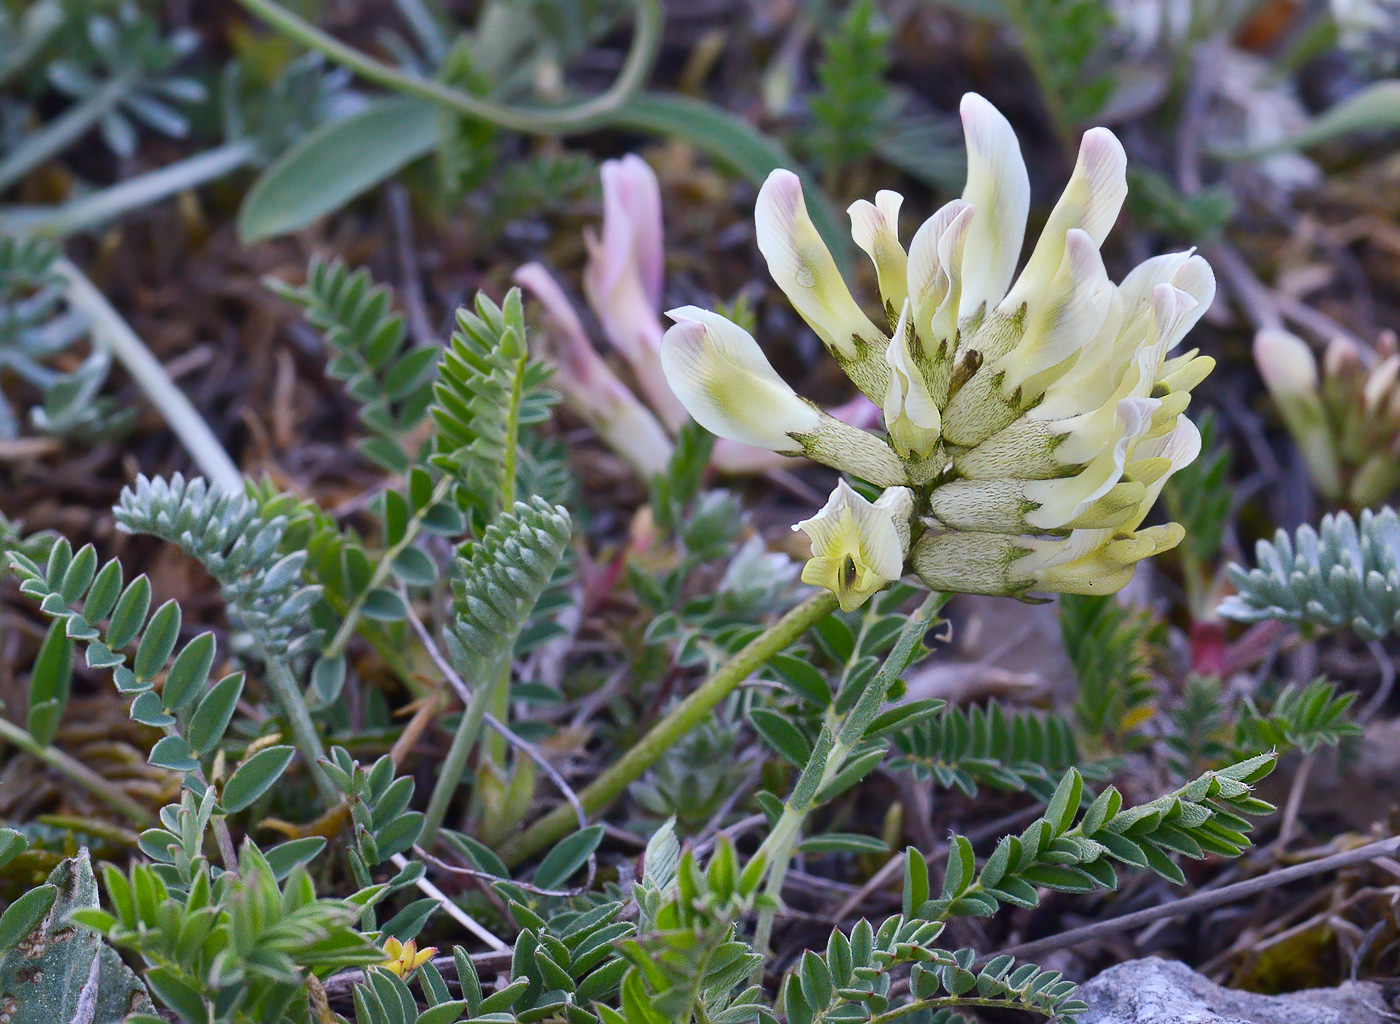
x=1154, y=991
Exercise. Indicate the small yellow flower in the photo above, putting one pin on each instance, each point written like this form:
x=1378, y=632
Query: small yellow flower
x=858, y=546
x=406, y=957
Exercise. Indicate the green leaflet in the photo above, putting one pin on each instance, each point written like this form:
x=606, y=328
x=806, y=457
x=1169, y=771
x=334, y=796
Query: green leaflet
x=335, y=164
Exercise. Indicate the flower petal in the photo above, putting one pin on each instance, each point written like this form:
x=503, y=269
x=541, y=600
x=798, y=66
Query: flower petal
x=632, y=223
x=623, y=277
x=1091, y=561
x=801, y=264
x=721, y=375
x=1075, y=305
x=875, y=228
x=858, y=546
x=589, y=386
x=999, y=189
x=1090, y=202
x=911, y=416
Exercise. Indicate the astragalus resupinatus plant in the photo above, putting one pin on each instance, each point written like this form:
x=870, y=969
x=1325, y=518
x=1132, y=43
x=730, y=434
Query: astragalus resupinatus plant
x=1031, y=419
x=1030, y=427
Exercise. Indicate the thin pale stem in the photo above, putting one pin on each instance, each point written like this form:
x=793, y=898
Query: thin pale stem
x=667, y=732
x=288, y=693
x=222, y=838
x=94, y=211
x=646, y=41
x=77, y=773
x=110, y=329
x=464, y=694
x=1207, y=899
x=453, y=910
x=63, y=131
x=381, y=572
x=455, y=764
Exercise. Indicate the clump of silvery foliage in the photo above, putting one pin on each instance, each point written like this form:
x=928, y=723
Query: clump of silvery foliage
x=1341, y=574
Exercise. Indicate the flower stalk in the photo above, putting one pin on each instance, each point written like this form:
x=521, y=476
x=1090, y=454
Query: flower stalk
x=646, y=44
x=682, y=719
x=841, y=735
x=77, y=773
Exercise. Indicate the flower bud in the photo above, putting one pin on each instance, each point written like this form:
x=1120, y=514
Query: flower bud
x=623, y=277
x=1090, y=203
x=1289, y=370
x=858, y=546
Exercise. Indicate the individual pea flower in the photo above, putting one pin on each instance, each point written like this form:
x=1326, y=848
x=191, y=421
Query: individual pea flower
x=1031, y=419
x=858, y=546
x=405, y=957
x=622, y=281
x=1345, y=419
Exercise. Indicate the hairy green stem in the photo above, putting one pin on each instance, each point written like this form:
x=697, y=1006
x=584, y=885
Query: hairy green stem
x=77, y=773
x=455, y=764
x=64, y=130
x=289, y=697
x=664, y=735
x=646, y=42
x=840, y=736
x=110, y=329
x=99, y=208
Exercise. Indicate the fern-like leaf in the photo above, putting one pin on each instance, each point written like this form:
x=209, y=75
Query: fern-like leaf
x=497, y=581
x=391, y=380
x=37, y=325
x=1302, y=717
x=852, y=980
x=95, y=607
x=1108, y=644
x=487, y=388
x=1014, y=751
x=1069, y=848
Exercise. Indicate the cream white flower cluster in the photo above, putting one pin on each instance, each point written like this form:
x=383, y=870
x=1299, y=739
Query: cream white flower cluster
x=1031, y=421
